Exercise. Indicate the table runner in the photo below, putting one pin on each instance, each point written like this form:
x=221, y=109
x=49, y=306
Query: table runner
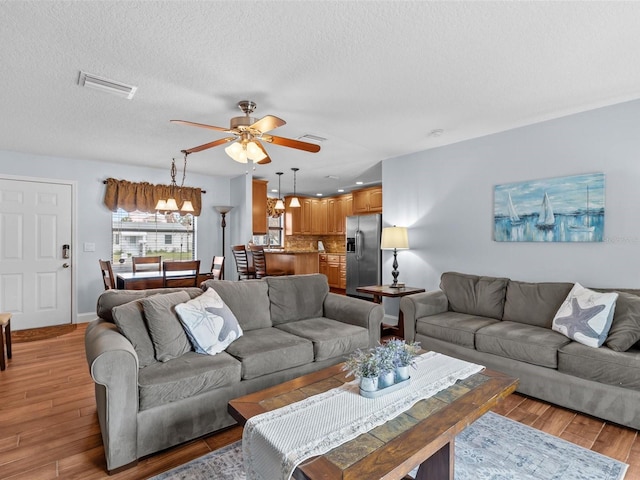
x=275, y=442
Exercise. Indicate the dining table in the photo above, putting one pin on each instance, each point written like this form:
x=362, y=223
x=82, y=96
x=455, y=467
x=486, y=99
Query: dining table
x=144, y=280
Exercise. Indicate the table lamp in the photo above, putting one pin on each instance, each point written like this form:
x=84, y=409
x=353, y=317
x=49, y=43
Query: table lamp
x=394, y=238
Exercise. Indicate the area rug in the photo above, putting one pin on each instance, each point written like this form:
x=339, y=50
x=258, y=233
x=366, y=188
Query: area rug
x=492, y=448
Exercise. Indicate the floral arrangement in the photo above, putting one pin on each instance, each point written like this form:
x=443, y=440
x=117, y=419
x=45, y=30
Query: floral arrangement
x=362, y=364
x=404, y=353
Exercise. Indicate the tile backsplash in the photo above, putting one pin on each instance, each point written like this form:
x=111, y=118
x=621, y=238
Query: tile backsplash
x=332, y=243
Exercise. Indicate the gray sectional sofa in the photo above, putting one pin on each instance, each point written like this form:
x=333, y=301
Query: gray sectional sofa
x=291, y=326
x=505, y=325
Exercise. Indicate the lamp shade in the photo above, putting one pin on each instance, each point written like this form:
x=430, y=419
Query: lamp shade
x=394, y=238
x=187, y=206
x=223, y=208
x=172, y=205
x=294, y=202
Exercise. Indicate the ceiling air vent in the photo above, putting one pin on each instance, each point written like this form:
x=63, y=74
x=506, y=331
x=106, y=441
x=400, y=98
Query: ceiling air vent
x=313, y=138
x=106, y=85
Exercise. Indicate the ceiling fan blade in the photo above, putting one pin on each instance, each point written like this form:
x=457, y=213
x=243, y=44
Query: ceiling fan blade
x=289, y=142
x=267, y=123
x=266, y=159
x=209, y=145
x=201, y=125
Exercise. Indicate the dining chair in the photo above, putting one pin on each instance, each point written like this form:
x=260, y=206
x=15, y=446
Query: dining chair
x=189, y=278
x=245, y=270
x=137, y=261
x=5, y=338
x=107, y=275
x=260, y=263
x=217, y=268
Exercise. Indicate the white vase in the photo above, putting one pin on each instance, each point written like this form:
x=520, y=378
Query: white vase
x=386, y=379
x=402, y=373
x=369, y=384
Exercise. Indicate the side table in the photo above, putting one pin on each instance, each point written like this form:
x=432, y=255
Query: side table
x=379, y=291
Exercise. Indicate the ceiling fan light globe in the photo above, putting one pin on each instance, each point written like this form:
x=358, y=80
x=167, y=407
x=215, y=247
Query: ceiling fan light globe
x=294, y=203
x=254, y=152
x=234, y=151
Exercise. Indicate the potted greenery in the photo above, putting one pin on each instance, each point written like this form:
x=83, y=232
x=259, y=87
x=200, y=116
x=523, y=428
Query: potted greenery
x=366, y=367
x=386, y=360
x=404, y=356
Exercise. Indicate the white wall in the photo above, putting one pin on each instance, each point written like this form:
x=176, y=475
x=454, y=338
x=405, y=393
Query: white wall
x=445, y=197
x=93, y=222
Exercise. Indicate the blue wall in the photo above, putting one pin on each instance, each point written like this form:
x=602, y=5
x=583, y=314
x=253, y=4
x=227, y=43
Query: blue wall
x=445, y=197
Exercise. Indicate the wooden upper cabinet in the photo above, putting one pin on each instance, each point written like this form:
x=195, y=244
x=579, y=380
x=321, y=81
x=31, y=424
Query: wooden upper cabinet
x=298, y=220
x=259, y=207
x=367, y=200
x=319, y=217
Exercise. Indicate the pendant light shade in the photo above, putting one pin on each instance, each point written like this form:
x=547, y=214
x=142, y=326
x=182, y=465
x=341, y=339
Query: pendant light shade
x=279, y=204
x=294, y=202
x=170, y=204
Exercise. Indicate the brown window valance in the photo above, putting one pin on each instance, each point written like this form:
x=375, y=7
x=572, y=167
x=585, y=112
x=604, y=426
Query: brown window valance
x=144, y=196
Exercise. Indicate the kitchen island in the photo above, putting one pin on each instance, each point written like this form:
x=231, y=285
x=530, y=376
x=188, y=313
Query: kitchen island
x=292, y=262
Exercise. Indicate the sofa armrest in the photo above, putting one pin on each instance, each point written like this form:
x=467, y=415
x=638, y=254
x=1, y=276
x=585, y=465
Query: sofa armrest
x=355, y=311
x=421, y=305
x=113, y=365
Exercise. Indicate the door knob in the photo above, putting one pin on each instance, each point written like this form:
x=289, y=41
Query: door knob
x=65, y=265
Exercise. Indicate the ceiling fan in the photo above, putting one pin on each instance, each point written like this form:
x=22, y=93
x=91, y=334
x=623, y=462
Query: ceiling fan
x=247, y=136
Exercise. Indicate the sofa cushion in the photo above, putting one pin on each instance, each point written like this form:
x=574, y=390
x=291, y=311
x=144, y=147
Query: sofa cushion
x=186, y=376
x=518, y=341
x=600, y=365
x=534, y=303
x=247, y=300
x=168, y=336
x=330, y=338
x=112, y=298
x=209, y=323
x=453, y=327
x=296, y=297
x=625, y=329
x=483, y=296
x=130, y=321
x=586, y=316
x=268, y=350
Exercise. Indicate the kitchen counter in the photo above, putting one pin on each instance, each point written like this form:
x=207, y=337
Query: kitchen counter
x=293, y=262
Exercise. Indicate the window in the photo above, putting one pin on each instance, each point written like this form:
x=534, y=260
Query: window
x=172, y=236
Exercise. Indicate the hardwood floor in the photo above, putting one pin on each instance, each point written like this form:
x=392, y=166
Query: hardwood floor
x=49, y=427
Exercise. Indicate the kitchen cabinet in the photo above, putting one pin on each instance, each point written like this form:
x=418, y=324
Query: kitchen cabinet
x=333, y=265
x=259, y=204
x=367, y=200
x=297, y=221
x=335, y=216
x=319, y=216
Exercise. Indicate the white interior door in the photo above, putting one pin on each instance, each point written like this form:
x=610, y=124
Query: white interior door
x=35, y=278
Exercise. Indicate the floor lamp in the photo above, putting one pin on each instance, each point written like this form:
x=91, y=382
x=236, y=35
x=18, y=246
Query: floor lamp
x=223, y=210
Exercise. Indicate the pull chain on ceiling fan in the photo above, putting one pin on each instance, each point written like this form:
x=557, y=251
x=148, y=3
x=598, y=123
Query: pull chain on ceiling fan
x=247, y=136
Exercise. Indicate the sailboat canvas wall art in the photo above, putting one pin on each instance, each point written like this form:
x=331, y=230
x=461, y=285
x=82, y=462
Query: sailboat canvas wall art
x=563, y=209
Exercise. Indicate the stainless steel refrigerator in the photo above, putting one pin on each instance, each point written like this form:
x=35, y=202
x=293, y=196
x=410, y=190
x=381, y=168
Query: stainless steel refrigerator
x=364, y=257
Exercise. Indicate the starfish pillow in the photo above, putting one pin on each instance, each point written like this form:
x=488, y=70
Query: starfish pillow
x=585, y=316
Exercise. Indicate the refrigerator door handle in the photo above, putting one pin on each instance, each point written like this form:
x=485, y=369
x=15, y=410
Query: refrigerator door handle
x=358, y=244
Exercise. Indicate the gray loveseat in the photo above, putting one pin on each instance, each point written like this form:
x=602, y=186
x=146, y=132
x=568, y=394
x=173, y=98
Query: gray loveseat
x=291, y=326
x=505, y=325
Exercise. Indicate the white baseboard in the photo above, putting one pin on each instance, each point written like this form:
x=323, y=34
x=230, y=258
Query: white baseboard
x=86, y=317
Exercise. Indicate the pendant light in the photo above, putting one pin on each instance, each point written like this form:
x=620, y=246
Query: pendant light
x=279, y=203
x=170, y=204
x=294, y=202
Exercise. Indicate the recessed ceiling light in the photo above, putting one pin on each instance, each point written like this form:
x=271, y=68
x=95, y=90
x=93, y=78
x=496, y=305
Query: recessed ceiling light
x=359, y=183
x=110, y=86
x=274, y=190
x=318, y=194
x=436, y=133
x=340, y=190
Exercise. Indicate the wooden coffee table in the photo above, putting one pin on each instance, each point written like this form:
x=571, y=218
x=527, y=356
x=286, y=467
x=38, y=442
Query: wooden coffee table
x=423, y=435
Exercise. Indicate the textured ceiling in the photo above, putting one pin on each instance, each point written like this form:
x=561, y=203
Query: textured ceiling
x=374, y=78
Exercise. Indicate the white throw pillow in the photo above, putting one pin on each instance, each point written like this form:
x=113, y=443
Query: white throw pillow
x=209, y=323
x=585, y=316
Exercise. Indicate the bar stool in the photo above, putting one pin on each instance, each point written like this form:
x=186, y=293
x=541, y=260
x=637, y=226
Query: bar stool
x=5, y=337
